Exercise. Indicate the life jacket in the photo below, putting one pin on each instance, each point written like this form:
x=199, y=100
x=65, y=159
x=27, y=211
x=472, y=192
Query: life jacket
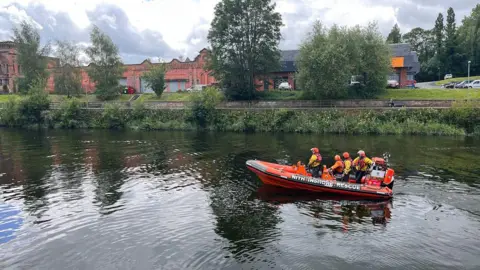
x=318, y=160
x=361, y=162
x=345, y=166
x=341, y=168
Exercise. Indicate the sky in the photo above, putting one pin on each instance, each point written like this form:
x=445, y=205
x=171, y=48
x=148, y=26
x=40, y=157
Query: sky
x=172, y=28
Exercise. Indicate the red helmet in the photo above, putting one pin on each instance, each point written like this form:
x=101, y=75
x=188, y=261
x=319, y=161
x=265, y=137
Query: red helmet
x=337, y=158
x=346, y=155
x=315, y=150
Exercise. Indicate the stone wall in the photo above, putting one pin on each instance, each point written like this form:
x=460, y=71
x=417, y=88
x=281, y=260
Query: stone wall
x=298, y=104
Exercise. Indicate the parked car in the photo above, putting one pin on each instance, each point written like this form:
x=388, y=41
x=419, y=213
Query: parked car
x=285, y=86
x=474, y=84
x=449, y=85
x=463, y=84
x=393, y=84
x=448, y=76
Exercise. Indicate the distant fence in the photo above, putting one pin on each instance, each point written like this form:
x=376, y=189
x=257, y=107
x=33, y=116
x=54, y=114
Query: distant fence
x=287, y=104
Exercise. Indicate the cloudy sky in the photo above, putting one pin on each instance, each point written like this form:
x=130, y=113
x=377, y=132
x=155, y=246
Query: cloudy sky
x=172, y=28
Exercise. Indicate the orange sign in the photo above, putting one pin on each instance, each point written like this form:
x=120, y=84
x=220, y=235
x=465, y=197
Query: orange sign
x=397, y=62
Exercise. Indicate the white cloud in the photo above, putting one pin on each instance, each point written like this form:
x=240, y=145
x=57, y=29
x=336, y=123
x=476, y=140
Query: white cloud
x=183, y=24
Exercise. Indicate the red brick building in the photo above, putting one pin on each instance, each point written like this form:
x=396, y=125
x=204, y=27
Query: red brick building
x=8, y=66
x=182, y=75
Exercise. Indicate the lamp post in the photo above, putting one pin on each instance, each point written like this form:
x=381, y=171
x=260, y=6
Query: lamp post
x=469, y=71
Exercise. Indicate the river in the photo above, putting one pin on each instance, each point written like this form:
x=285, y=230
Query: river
x=179, y=200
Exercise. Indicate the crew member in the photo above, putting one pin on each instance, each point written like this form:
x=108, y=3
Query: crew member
x=362, y=163
x=338, y=167
x=348, y=166
x=315, y=161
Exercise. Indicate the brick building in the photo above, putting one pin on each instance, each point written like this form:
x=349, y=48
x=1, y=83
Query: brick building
x=8, y=66
x=182, y=75
x=404, y=63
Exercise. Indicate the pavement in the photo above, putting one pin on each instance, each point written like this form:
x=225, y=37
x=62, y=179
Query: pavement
x=428, y=85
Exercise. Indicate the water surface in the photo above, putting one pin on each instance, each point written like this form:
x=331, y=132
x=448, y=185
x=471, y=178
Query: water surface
x=176, y=200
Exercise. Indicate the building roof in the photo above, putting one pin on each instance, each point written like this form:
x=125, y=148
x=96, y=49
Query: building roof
x=289, y=55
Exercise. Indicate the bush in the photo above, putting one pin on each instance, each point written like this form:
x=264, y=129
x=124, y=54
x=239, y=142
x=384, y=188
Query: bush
x=10, y=114
x=69, y=115
x=203, y=106
x=113, y=117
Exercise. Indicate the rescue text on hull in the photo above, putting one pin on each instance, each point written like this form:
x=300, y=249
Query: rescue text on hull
x=377, y=185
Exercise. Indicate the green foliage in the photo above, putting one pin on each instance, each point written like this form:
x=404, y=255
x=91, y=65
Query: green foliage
x=31, y=57
x=69, y=115
x=113, y=117
x=155, y=78
x=10, y=116
x=30, y=109
x=446, y=48
x=244, y=36
x=203, y=106
x=68, y=80
x=330, y=57
x=395, y=36
x=106, y=65
x=469, y=40
x=450, y=40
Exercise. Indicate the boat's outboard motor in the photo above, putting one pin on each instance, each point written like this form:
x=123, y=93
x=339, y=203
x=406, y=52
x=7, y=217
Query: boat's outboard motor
x=381, y=170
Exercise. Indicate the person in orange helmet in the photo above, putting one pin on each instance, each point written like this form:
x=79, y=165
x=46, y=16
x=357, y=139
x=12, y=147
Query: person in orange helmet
x=338, y=167
x=347, y=161
x=315, y=161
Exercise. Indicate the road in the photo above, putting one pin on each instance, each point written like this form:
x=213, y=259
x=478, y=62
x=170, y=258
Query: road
x=428, y=85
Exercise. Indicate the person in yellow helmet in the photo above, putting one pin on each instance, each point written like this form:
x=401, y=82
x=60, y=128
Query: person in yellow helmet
x=315, y=161
x=347, y=161
x=338, y=167
x=362, y=163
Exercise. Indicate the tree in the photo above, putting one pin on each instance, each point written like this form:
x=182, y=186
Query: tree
x=439, y=43
x=68, y=78
x=244, y=37
x=395, y=36
x=155, y=78
x=330, y=57
x=469, y=38
x=31, y=56
x=438, y=30
x=450, y=39
x=106, y=65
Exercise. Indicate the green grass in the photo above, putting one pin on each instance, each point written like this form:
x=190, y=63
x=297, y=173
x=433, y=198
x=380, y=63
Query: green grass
x=185, y=96
x=459, y=79
x=60, y=98
x=433, y=94
x=182, y=96
x=280, y=95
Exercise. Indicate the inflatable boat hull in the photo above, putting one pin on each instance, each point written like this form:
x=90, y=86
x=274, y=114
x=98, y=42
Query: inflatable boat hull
x=288, y=177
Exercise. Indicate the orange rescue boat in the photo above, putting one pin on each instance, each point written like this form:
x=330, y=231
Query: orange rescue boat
x=377, y=184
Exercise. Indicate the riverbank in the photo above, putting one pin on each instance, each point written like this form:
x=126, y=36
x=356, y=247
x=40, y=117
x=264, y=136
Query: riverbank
x=71, y=115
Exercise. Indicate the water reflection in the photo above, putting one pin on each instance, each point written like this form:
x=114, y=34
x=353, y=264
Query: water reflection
x=346, y=210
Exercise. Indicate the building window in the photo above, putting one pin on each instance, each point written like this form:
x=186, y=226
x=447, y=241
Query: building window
x=410, y=77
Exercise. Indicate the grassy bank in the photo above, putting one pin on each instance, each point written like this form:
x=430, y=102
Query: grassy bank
x=398, y=94
x=459, y=79
x=61, y=98
x=456, y=121
x=431, y=94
